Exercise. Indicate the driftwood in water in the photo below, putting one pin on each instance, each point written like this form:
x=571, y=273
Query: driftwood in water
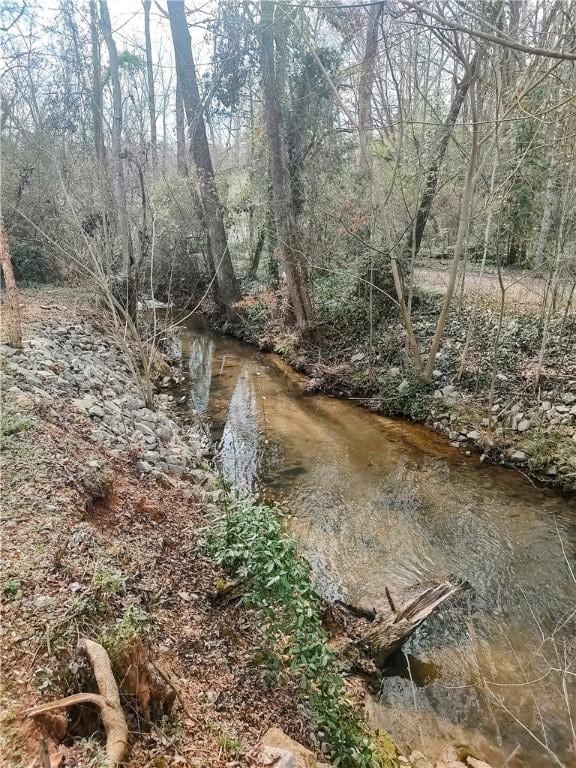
x=390, y=631
x=373, y=635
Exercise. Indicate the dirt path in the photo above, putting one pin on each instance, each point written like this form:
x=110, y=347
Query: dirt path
x=94, y=548
x=524, y=290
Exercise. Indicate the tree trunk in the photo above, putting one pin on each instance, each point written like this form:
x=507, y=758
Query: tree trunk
x=463, y=226
x=96, y=94
x=12, y=316
x=289, y=242
x=255, y=260
x=550, y=196
x=416, y=232
x=119, y=180
x=180, y=132
x=150, y=81
x=366, y=84
x=228, y=289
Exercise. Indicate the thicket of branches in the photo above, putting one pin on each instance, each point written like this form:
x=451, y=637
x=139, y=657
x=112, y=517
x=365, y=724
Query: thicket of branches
x=320, y=150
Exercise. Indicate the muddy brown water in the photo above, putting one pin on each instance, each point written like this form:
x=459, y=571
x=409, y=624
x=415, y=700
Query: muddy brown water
x=375, y=503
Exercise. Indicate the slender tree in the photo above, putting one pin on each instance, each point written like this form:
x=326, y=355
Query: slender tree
x=96, y=90
x=150, y=83
x=119, y=178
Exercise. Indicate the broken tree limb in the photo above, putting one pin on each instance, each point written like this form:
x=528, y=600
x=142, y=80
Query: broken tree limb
x=364, y=638
x=107, y=701
x=391, y=630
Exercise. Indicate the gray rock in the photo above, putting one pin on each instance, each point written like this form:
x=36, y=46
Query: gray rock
x=403, y=386
x=145, y=429
x=394, y=371
x=143, y=467
x=43, y=601
x=133, y=403
x=83, y=403
x=523, y=425
x=96, y=411
x=8, y=351
x=145, y=414
x=175, y=459
x=569, y=398
x=164, y=433
x=546, y=405
x=151, y=456
x=473, y=435
x=518, y=456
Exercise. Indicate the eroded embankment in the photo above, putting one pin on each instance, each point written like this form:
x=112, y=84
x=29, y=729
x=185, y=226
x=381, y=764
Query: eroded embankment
x=97, y=544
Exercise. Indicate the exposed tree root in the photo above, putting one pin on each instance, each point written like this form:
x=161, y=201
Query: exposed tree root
x=108, y=702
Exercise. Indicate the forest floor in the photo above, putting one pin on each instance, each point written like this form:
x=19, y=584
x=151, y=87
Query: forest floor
x=485, y=393
x=96, y=545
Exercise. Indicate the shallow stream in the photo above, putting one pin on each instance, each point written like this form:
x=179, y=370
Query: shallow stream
x=375, y=503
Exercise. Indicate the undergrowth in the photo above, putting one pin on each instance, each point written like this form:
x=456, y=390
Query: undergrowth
x=248, y=541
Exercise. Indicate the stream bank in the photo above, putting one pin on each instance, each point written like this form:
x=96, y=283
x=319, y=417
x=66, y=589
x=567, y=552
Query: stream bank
x=528, y=424
x=98, y=543
x=104, y=500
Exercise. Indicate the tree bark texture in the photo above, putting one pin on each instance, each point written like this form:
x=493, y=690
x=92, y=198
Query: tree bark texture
x=228, y=289
x=11, y=317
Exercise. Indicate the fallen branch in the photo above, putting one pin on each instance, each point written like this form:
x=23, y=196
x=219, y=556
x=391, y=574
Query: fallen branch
x=108, y=702
x=390, y=630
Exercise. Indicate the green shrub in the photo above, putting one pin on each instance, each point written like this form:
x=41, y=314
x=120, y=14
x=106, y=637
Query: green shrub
x=11, y=422
x=31, y=266
x=248, y=540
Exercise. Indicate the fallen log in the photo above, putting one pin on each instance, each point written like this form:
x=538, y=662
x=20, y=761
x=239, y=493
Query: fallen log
x=108, y=702
x=388, y=632
x=369, y=637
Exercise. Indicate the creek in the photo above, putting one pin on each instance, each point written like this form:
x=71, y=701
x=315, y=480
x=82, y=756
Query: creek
x=378, y=503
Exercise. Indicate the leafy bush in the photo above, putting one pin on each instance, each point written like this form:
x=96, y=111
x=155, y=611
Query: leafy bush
x=32, y=266
x=248, y=540
x=411, y=396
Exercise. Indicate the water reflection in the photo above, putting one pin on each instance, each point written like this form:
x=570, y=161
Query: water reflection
x=239, y=443
x=378, y=503
x=199, y=351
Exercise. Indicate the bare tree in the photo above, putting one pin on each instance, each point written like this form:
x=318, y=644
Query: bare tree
x=150, y=82
x=119, y=178
x=13, y=320
x=96, y=90
x=228, y=289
